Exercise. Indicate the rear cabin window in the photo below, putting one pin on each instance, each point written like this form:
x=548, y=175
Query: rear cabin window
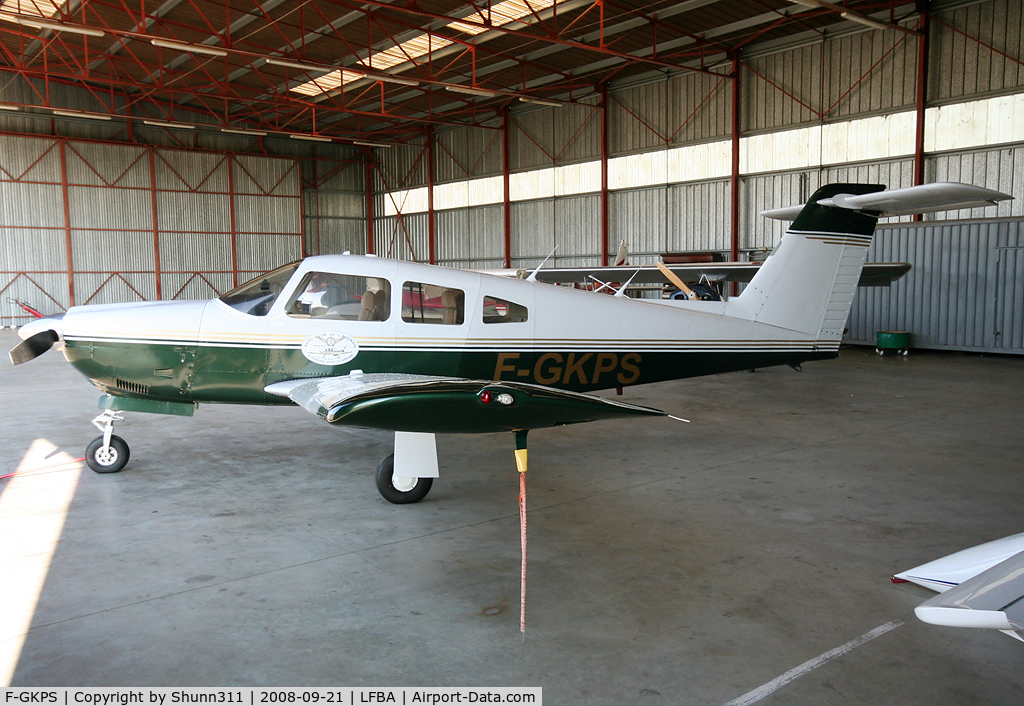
x=432, y=304
x=502, y=311
x=328, y=295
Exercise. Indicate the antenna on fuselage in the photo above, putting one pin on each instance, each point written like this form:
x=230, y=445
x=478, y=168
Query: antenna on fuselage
x=533, y=275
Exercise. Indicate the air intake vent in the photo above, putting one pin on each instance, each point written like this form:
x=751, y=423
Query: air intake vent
x=133, y=387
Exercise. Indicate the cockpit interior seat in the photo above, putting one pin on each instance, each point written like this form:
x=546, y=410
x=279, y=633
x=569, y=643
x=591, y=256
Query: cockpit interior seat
x=369, y=302
x=450, y=302
x=380, y=305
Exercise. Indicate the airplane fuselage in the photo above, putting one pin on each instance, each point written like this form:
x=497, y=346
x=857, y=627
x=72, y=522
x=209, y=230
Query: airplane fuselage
x=426, y=321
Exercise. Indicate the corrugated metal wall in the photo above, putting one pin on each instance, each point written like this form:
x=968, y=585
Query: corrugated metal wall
x=33, y=254
x=141, y=222
x=470, y=237
x=682, y=110
x=961, y=67
x=403, y=237
x=1000, y=168
x=470, y=152
x=334, y=204
x=827, y=81
x=963, y=293
x=203, y=209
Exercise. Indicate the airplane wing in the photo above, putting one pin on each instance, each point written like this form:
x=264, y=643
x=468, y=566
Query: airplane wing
x=875, y=274
x=435, y=404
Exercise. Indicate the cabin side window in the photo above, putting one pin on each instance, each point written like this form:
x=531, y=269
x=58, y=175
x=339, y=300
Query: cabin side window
x=432, y=304
x=329, y=295
x=257, y=296
x=502, y=311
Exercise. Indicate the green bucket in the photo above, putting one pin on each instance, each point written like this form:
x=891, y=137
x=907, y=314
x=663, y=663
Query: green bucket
x=893, y=340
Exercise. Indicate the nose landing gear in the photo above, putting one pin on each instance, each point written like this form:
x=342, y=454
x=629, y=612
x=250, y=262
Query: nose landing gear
x=108, y=453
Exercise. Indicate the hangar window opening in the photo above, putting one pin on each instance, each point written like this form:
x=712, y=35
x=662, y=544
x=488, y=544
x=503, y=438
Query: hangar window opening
x=329, y=295
x=257, y=296
x=502, y=311
x=432, y=304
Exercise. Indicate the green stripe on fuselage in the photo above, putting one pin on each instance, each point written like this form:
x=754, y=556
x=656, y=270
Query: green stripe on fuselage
x=239, y=374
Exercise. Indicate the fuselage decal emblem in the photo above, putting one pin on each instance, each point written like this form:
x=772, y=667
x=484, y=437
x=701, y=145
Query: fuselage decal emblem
x=330, y=348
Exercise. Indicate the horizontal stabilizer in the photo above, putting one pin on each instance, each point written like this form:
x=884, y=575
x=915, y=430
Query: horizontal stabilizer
x=926, y=198
x=992, y=599
x=436, y=405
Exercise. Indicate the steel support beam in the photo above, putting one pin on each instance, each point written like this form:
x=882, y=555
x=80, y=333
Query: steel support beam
x=604, y=174
x=156, y=225
x=234, y=222
x=368, y=159
x=67, y=221
x=734, y=206
x=922, y=95
x=431, y=225
x=506, y=173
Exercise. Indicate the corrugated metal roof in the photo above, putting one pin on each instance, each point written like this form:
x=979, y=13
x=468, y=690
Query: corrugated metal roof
x=232, y=66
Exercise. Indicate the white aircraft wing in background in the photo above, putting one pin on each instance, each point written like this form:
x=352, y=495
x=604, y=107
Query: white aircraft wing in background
x=874, y=274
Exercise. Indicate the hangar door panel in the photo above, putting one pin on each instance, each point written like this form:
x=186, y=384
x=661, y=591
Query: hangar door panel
x=1009, y=301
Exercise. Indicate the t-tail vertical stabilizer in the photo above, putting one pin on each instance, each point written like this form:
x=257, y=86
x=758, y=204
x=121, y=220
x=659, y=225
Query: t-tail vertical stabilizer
x=808, y=283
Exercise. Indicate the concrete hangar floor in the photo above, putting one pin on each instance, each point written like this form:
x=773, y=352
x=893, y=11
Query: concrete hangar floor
x=669, y=563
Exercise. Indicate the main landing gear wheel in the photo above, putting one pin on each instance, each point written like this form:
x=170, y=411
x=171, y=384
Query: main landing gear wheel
x=107, y=459
x=400, y=490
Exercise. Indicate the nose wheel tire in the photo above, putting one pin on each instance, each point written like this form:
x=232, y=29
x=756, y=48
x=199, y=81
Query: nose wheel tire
x=400, y=490
x=107, y=460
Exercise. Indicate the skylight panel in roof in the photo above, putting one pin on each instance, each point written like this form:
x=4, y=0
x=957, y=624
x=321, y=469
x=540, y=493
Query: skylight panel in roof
x=404, y=52
x=32, y=8
x=327, y=82
x=501, y=14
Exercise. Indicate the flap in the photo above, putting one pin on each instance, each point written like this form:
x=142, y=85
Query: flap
x=318, y=395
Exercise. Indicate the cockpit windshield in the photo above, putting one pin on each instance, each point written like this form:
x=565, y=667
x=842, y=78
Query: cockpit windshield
x=256, y=296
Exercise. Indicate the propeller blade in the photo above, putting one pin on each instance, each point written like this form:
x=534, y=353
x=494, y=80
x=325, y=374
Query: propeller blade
x=33, y=346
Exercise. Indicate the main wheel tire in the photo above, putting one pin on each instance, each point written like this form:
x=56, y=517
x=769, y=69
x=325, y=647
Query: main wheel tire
x=110, y=460
x=399, y=496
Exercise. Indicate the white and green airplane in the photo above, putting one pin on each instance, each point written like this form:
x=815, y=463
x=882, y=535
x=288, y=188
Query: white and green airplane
x=420, y=350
